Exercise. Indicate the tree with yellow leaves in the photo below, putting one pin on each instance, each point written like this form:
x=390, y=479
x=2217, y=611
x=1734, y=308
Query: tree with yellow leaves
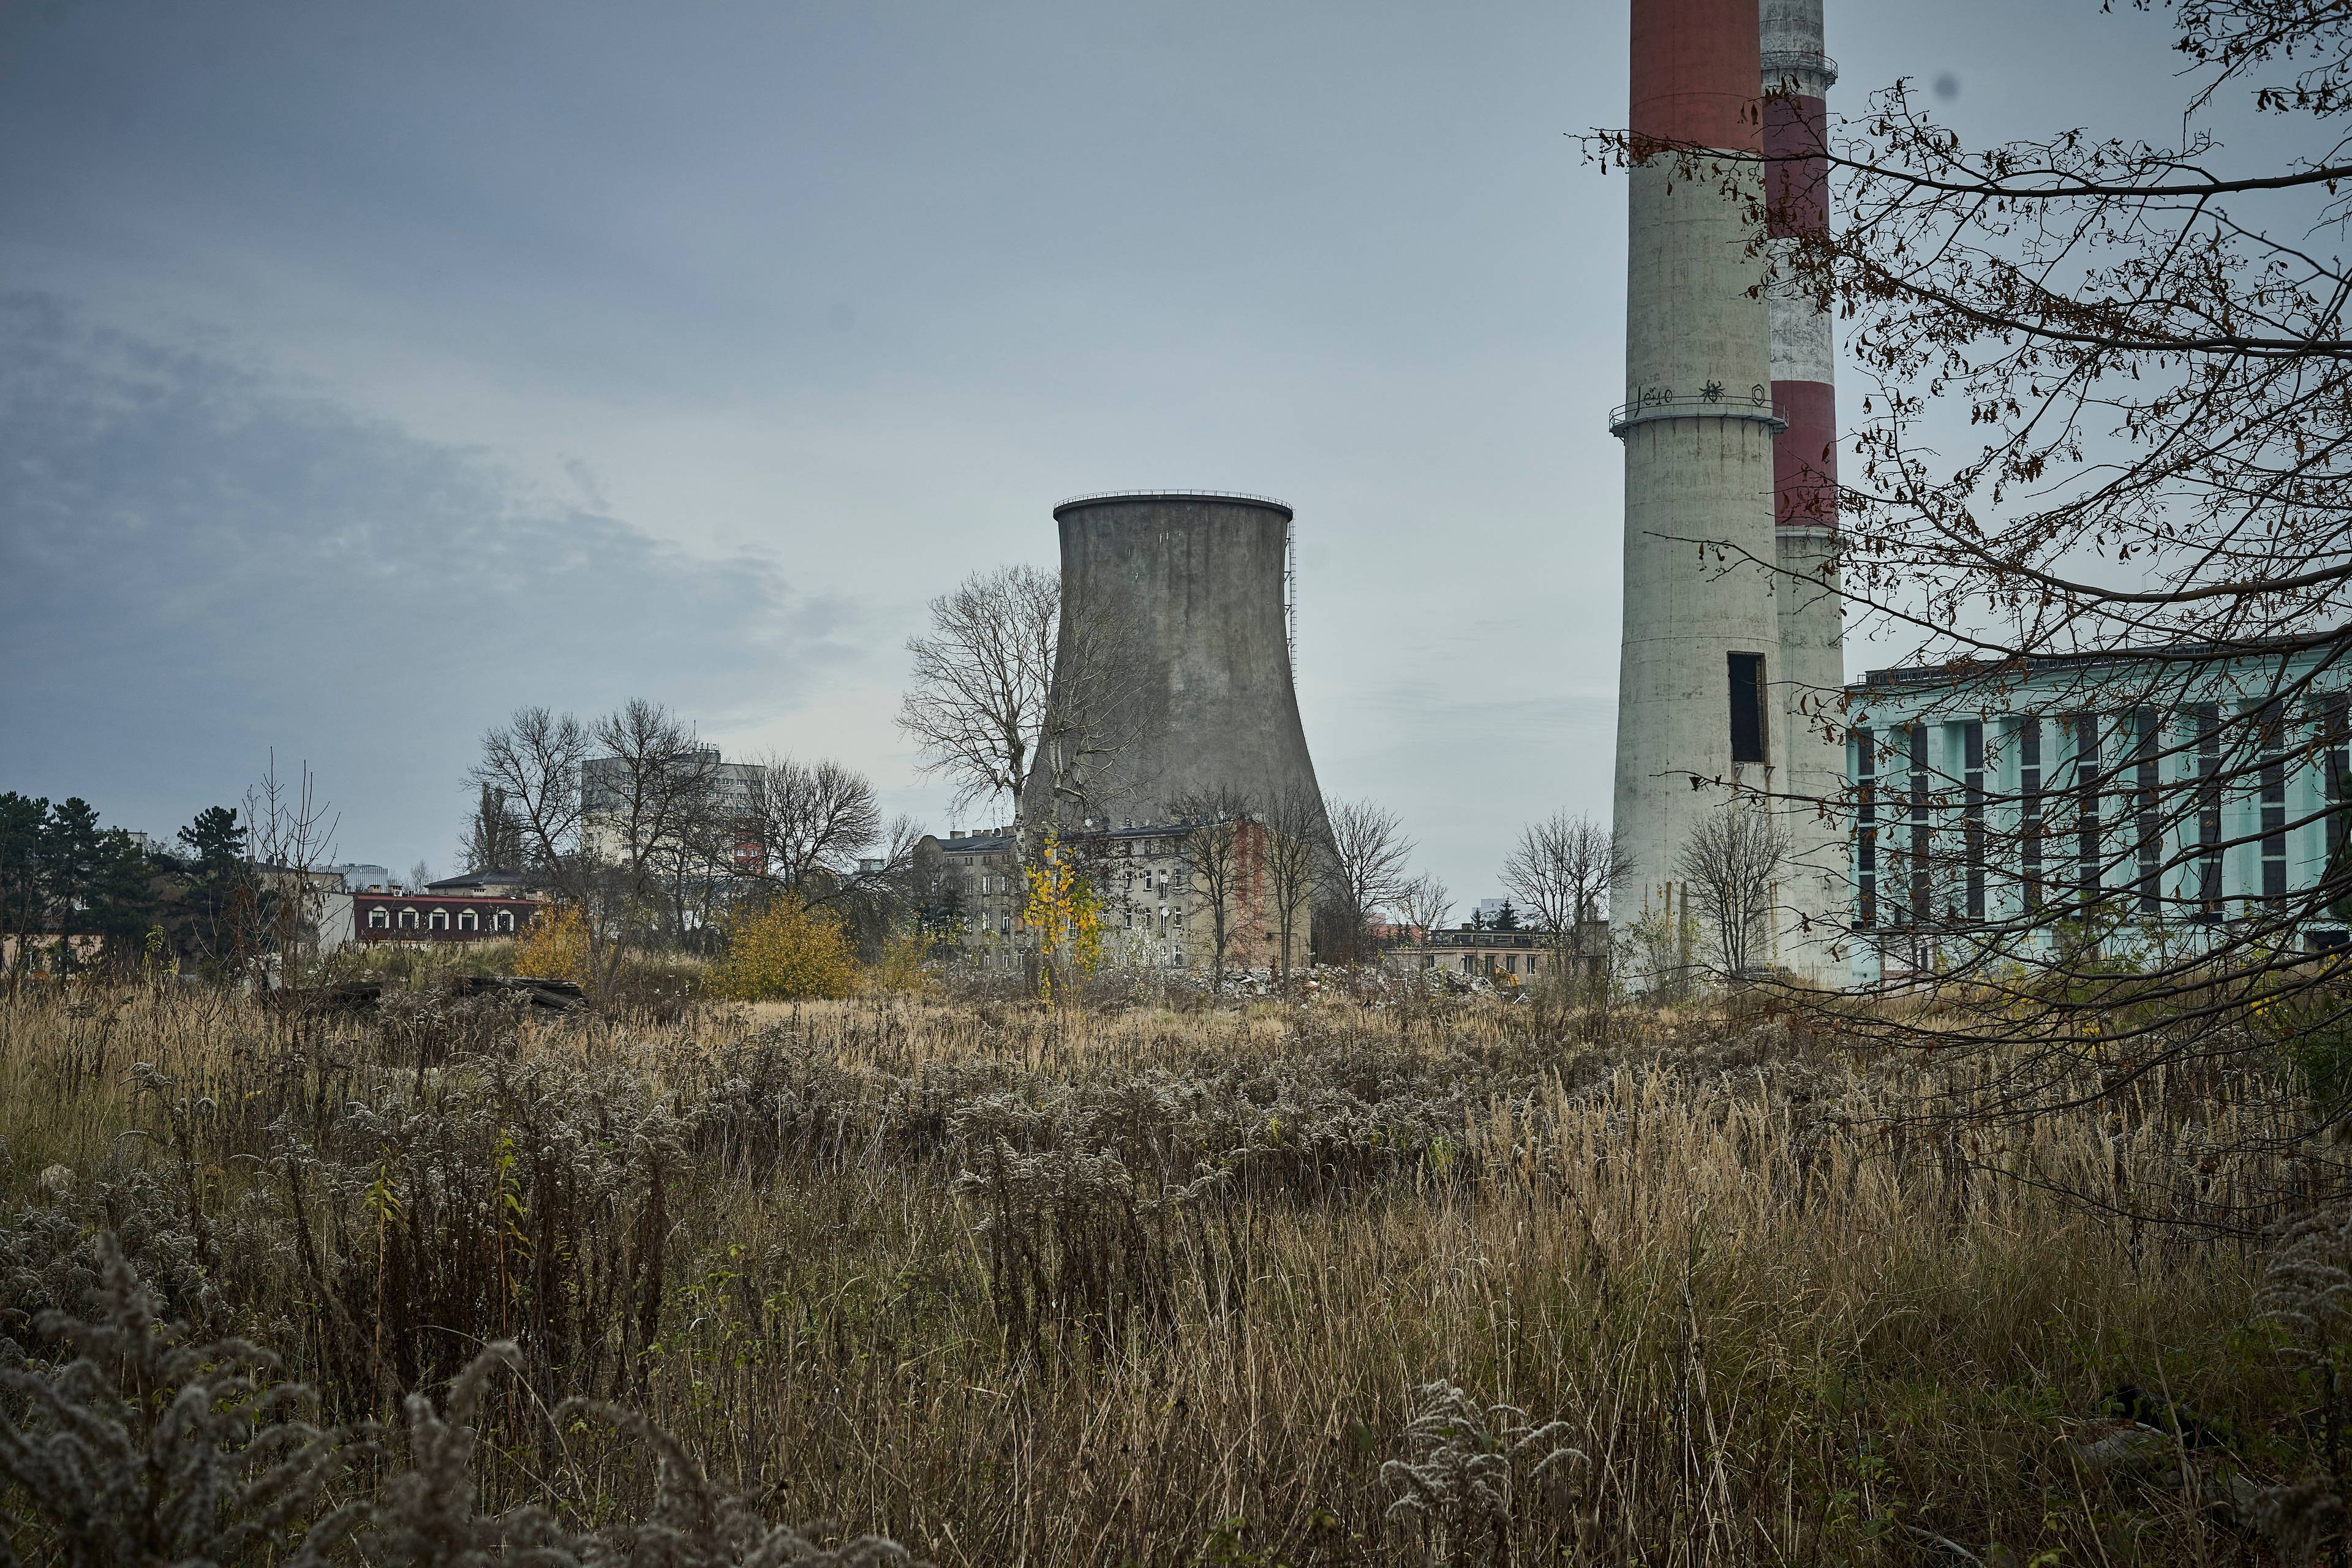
x=1064, y=913
x=556, y=946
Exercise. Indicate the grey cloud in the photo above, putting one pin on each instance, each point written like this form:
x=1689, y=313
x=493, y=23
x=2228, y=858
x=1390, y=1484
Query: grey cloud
x=198, y=561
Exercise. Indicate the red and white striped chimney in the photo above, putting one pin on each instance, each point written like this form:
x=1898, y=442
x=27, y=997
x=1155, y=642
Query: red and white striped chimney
x=1700, y=653
x=1797, y=77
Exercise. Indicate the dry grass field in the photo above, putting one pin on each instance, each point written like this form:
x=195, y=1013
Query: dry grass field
x=1302, y=1284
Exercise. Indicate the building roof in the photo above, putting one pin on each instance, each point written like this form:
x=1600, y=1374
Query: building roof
x=442, y=899
x=971, y=843
x=990, y=842
x=1962, y=671
x=480, y=879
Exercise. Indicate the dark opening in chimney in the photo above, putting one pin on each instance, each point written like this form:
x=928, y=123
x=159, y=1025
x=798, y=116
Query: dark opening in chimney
x=1748, y=737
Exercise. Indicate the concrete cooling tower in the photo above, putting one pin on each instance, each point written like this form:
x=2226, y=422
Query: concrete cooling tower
x=1173, y=664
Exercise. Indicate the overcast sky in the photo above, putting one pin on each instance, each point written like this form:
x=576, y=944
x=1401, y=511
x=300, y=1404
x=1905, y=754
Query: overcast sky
x=369, y=371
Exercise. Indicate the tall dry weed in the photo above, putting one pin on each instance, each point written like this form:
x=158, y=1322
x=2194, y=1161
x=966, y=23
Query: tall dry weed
x=1007, y=1284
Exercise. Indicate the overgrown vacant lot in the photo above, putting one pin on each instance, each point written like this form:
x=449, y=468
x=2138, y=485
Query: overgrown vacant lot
x=1014, y=1287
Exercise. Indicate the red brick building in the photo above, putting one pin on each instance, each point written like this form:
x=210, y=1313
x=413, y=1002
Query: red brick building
x=439, y=917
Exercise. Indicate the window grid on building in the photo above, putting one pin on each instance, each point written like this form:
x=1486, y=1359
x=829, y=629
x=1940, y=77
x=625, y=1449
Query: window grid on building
x=2209, y=810
x=2273, y=741
x=1920, y=883
x=1972, y=815
x=2028, y=803
x=2336, y=744
x=2088, y=848
x=2105, y=818
x=2148, y=825
x=1866, y=852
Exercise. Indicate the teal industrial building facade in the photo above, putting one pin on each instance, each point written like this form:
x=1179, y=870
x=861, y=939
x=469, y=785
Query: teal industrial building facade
x=2149, y=801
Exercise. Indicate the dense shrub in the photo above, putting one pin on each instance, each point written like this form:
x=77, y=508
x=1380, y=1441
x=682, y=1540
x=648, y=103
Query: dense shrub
x=784, y=951
x=556, y=946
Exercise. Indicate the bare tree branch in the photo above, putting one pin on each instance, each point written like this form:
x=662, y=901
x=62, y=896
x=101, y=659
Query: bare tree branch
x=1367, y=868
x=976, y=701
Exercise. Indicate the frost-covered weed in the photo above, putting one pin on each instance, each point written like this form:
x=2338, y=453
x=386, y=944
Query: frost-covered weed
x=52, y=1255
x=1069, y=1240
x=2307, y=1292
x=490, y=1201
x=693, y=1523
x=1468, y=1468
x=148, y=1448
x=1311, y=1123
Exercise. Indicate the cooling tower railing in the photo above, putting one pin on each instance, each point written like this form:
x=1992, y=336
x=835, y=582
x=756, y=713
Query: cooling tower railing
x=1154, y=494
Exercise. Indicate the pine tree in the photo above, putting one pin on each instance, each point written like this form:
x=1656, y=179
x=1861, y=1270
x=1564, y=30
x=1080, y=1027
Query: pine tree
x=94, y=879
x=24, y=898
x=219, y=882
x=494, y=834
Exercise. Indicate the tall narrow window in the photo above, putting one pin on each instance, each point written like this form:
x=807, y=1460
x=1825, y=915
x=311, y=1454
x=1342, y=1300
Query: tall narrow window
x=2087, y=844
x=2334, y=762
x=1972, y=815
x=2029, y=808
x=2147, y=828
x=2273, y=777
x=1748, y=736
x=1865, y=820
x=1920, y=806
x=2209, y=810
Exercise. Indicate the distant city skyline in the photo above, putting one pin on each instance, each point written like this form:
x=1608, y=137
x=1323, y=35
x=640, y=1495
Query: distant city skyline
x=371, y=373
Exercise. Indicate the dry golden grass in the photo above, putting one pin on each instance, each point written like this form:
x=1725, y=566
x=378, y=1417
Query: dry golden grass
x=1779, y=1325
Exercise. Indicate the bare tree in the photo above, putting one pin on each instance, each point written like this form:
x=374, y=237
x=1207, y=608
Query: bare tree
x=645, y=798
x=703, y=862
x=605, y=807
x=880, y=894
x=1298, y=840
x=1091, y=722
x=1367, y=868
x=812, y=819
x=1221, y=838
x=1731, y=862
x=533, y=761
x=817, y=829
x=976, y=702
x=1560, y=870
x=289, y=834
x=1425, y=903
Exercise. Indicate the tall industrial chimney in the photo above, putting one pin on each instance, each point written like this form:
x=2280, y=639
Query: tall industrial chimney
x=1701, y=657
x=1173, y=610
x=1797, y=78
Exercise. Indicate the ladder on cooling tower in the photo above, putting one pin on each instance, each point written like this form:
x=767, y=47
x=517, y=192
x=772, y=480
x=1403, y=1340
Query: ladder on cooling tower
x=1291, y=595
